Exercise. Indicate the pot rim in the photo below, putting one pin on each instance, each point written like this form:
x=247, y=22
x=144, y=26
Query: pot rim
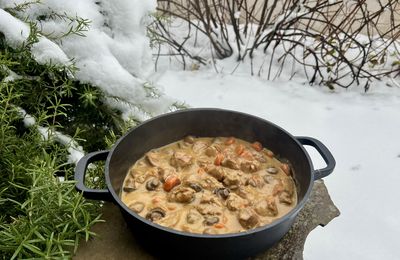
x=277, y=222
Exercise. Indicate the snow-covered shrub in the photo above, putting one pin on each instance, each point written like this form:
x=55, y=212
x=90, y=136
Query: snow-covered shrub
x=336, y=43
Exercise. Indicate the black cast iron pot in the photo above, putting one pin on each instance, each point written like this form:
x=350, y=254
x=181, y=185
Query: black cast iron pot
x=171, y=127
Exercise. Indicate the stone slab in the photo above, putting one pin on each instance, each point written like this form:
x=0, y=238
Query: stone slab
x=115, y=240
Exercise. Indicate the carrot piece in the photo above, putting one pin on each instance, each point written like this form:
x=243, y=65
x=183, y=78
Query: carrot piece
x=239, y=149
x=286, y=168
x=257, y=146
x=201, y=171
x=218, y=159
x=171, y=207
x=171, y=182
x=155, y=200
x=219, y=225
x=230, y=140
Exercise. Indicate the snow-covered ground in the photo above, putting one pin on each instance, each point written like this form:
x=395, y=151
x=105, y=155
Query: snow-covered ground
x=361, y=130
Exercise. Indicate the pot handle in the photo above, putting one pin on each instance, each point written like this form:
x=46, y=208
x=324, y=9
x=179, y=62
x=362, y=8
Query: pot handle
x=80, y=171
x=324, y=152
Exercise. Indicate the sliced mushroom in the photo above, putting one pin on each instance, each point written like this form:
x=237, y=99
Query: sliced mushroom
x=269, y=179
x=272, y=170
x=136, y=207
x=222, y=192
x=129, y=186
x=155, y=214
x=152, y=184
x=211, y=220
x=196, y=187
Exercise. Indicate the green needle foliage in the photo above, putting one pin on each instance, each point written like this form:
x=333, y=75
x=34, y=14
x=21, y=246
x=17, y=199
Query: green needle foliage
x=41, y=216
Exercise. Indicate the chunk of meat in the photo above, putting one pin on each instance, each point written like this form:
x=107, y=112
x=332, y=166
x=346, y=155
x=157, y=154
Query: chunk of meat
x=189, y=139
x=181, y=194
x=259, y=157
x=153, y=158
x=230, y=163
x=250, y=166
x=209, y=209
x=255, y=181
x=199, y=146
x=246, y=193
x=270, y=179
x=137, y=206
x=285, y=198
x=278, y=188
x=234, y=202
x=193, y=216
x=266, y=207
x=211, y=151
x=231, y=178
x=288, y=185
x=247, y=218
x=209, y=198
x=171, y=219
x=181, y=160
x=210, y=184
x=217, y=172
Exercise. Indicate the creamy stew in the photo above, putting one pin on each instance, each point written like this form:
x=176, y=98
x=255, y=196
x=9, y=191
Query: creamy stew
x=210, y=185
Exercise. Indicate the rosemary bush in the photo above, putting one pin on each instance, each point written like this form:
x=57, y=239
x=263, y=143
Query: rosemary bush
x=40, y=215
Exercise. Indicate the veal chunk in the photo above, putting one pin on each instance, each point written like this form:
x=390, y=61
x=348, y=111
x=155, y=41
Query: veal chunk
x=181, y=195
x=234, y=202
x=217, y=172
x=231, y=179
x=250, y=166
x=247, y=218
x=181, y=160
x=230, y=163
x=267, y=207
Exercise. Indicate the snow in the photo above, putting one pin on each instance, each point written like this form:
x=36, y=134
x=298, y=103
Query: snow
x=13, y=29
x=113, y=54
x=361, y=130
x=75, y=151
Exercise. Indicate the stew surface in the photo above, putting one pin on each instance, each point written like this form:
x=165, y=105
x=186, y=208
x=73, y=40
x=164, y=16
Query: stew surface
x=210, y=185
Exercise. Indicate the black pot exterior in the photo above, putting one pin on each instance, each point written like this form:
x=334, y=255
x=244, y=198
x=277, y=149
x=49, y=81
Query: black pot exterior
x=167, y=245
x=171, y=127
